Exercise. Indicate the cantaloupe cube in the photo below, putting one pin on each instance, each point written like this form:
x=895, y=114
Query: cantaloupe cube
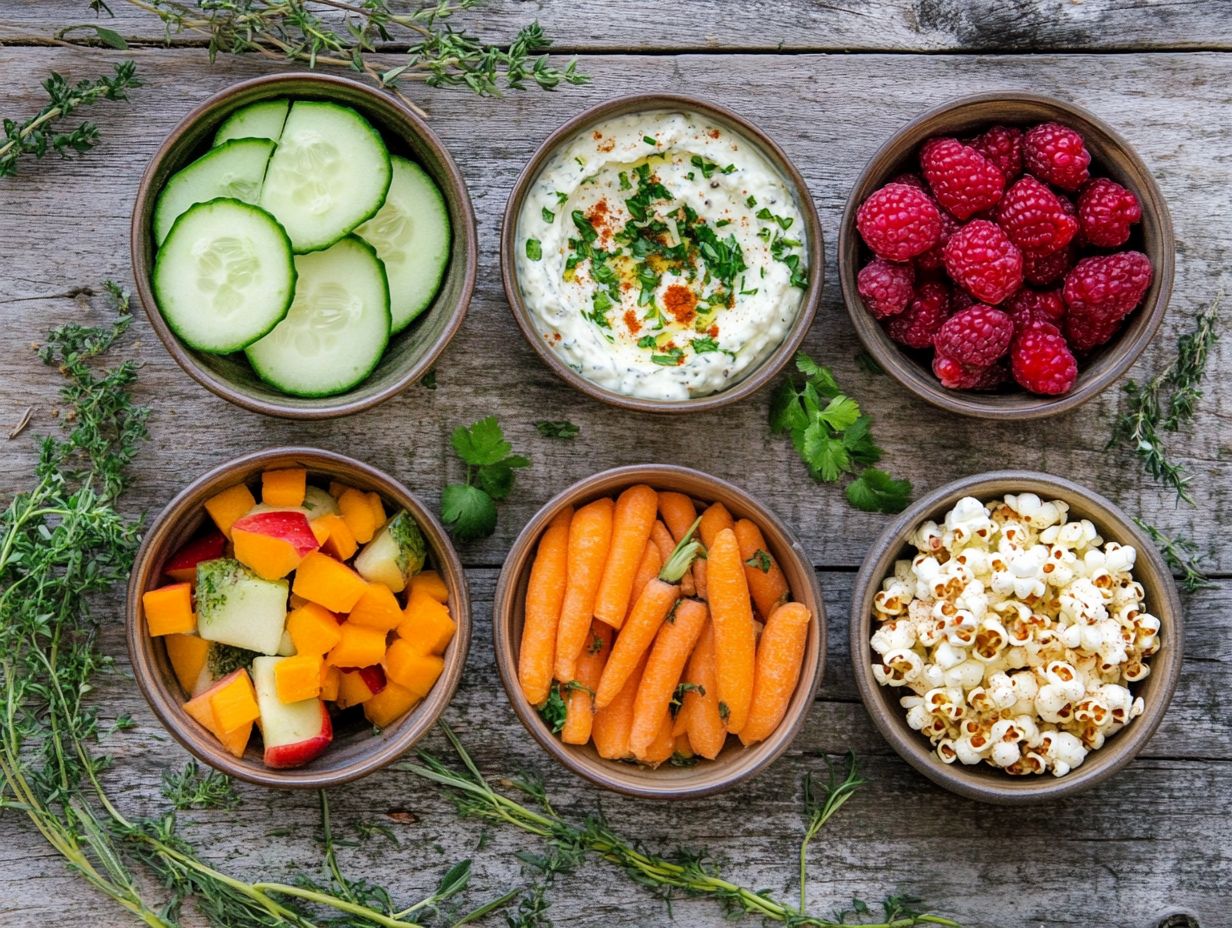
x=295, y=601
x=357, y=512
x=353, y=690
x=377, y=507
x=187, y=654
x=329, y=583
x=313, y=629
x=338, y=538
x=359, y=646
x=169, y=610
x=331, y=681
x=426, y=623
x=298, y=677
x=268, y=557
x=284, y=487
x=389, y=705
x=377, y=608
x=199, y=710
x=319, y=531
x=338, y=487
x=408, y=666
x=431, y=584
x=225, y=507
x=235, y=704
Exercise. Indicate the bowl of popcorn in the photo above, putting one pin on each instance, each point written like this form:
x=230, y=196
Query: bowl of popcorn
x=1006, y=254
x=1015, y=637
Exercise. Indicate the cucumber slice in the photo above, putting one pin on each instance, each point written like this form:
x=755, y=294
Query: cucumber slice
x=395, y=555
x=260, y=120
x=338, y=325
x=411, y=234
x=233, y=170
x=236, y=607
x=329, y=173
x=225, y=276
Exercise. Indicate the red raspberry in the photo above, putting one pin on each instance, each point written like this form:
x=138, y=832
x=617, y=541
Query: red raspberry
x=1056, y=154
x=984, y=261
x=1042, y=362
x=1106, y=211
x=1027, y=307
x=1085, y=333
x=916, y=327
x=960, y=299
x=954, y=375
x=1048, y=269
x=899, y=222
x=931, y=259
x=975, y=337
x=885, y=287
x=1003, y=147
x=1034, y=218
x=910, y=179
x=962, y=180
x=1107, y=287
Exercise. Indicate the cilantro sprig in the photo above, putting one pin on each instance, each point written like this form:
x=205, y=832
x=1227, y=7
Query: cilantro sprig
x=469, y=509
x=832, y=437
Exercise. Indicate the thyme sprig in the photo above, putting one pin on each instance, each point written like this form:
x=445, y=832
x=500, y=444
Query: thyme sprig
x=1182, y=556
x=37, y=135
x=1167, y=402
x=435, y=52
x=821, y=801
x=681, y=872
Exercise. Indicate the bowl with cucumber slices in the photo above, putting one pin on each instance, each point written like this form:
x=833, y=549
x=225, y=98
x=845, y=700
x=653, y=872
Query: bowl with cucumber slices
x=304, y=245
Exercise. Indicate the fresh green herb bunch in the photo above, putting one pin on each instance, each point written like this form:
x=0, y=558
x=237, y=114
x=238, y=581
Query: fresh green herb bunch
x=37, y=135
x=1182, y=556
x=469, y=508
x=350, y=35
x=832, y=437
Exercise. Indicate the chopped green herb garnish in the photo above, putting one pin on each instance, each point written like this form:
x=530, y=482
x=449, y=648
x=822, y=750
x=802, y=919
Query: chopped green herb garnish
x=650, y=140
x=534, y=249
x=561, y=198
x=624, y=181
x=547, y=214
x=760, y=560
x=751, y=201
x=557, y=428
x=670, y=358
x=647, y=341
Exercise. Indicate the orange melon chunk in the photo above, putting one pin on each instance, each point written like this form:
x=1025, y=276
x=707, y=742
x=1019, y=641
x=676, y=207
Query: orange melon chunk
x=225, y=507
x=407, y=666
x=377, y=507
x=338, y=539
x=358, y=514
x=200, y=711
x=377, y=608
x=359, y=646
x=431, y=584
x=168, y=610
x=353, y=690
x=389, y=705
x=234, y=704
x=284, y=487
x=269, y=558
x=187, y=654
x=426, y=623
x=297, y=678
x=313, y=629
x=329, y=583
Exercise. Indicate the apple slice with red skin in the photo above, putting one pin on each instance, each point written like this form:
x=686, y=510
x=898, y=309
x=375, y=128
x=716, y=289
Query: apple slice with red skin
x=182, y=566
x=373, y=677
x=294, y=733
x=291, y=525
x=273, y=542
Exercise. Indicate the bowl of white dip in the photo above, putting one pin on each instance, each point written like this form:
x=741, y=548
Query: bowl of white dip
x=660, y=253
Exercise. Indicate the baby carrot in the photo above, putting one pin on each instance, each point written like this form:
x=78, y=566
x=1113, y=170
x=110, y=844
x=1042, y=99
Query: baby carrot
x=767, y=585
x=659, y=749
x=647, y=569
x=672, y=647
x=715, y=517
x=631, y=524
x=590, y=535
x=780, y=654
x=544, y=593
x=662, y=538
x=580, y=699
x=681, y=746
x=678, y=513
x=701, y=705
x=734, y=641
x=610, y=729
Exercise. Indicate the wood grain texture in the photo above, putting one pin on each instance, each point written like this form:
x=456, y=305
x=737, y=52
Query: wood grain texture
x=778, y=25
x=1152, y=839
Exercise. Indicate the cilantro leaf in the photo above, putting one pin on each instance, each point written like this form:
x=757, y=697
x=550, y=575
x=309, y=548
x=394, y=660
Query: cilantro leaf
x=820, y=377
x=553, y=711
x=842, y=413
x=497, y=479
x=481, y=443
x=859, y=443
x=824, y=454
x=468, y=511
x=786, y=413
x=876, y=491
x=557, y=428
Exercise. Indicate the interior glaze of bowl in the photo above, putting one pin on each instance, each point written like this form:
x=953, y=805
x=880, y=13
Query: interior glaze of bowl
x=981, y=781
x=412, y=352
x=356, y=749
x=1112, y=157
x=752, y=380
x=735, y=763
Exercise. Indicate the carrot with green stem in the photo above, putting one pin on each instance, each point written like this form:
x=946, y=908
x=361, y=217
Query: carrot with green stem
x=632, y=521
x=780, y=660
x=767, y=585
x=580, y=698
x=672, y=646
x=545, y=592
x=734, y=635
x=700, y=706
x=657, y=601
x=590, y=536
x=613, y=722
x=678, y=513
x=662, y=537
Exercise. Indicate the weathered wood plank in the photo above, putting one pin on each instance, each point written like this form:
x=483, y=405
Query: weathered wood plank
x=1149, y=841
x=795, y=25
x=1175, y=116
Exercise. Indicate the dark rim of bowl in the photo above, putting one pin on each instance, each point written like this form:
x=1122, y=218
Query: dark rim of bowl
x=1131, y=341
x=328, y=407
x=981, y=782
x=751, y=382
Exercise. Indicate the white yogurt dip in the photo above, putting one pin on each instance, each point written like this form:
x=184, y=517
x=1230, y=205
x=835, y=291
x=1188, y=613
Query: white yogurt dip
x=661, y=255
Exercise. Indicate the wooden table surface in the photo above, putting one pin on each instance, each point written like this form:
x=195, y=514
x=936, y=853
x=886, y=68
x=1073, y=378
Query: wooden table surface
x=829, y=82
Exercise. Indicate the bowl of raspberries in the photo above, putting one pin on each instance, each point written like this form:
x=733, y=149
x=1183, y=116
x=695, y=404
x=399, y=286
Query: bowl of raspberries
x=1006, y=254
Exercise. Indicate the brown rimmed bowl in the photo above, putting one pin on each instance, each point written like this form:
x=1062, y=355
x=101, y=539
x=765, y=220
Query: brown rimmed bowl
x=356, y=749
x=1112, y=156
x=735, y=763
x=752, y=381
x=412, y=352
x=981, y=781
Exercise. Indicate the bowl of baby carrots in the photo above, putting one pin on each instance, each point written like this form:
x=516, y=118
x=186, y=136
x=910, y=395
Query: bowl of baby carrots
x=659, y=631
